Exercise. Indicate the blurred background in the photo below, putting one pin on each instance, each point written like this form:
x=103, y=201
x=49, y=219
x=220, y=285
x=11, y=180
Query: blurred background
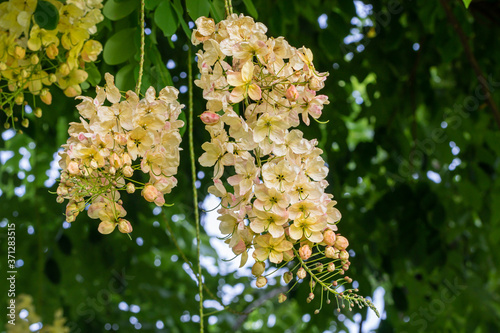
x=412, y=143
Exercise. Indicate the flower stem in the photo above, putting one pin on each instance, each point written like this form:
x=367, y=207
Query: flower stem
x=193, y=179
x=143, y=43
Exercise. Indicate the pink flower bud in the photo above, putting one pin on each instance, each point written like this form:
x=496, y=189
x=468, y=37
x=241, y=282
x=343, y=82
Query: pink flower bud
x=209, y=118
x=73, y=168
x=160, y=199
x=258, y=268
x=292, y=93
x=305, y=252
x=301, y=273
x=124, y=226
x=341, y=243
x=261, y=281
x=150, y=193
x=106, y=227
x=329, y=237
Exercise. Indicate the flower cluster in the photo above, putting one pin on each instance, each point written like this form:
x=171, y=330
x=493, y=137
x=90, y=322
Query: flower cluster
x=17, y=324
x=34, y=57
x=110, y=143
x=257, y=90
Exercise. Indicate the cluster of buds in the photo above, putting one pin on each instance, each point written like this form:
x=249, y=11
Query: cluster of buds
x=257, y=90
x=110, y=143
x=33, y=58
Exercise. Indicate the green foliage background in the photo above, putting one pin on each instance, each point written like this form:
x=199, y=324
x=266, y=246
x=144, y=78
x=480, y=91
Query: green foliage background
x=432, y=246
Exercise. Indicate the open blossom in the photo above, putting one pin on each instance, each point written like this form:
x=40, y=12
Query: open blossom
x=99, y=156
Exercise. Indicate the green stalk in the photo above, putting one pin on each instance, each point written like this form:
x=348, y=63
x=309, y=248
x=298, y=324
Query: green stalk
x=193, y=180
x=141, y=60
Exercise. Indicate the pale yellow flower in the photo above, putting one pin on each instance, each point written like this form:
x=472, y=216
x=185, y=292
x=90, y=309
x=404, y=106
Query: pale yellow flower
x=272, y=248
x=242, y=81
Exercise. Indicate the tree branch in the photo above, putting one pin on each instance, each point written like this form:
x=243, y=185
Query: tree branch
x=465, y=43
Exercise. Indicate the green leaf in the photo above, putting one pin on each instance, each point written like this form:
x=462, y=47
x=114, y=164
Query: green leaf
x=217, y=12
x=160, y=71
x=46, y=15
x=165, y=18
x=467, y=3
x=180, y=11
x=197, y=8
x=94, y=74
x=125, y=79
x=251, y=8
x=119, y=47
x=151, y=4
x=115, y=11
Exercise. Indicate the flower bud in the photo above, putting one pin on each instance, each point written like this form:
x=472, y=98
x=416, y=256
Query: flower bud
x=287, y=277
x=25, y=122
x=38, y=112
x=34, y=59
x=127, y=160
x=341, y=243
x=209, y=118
x=330, y=252
x=149, y=192
x=124, y=226
x=52, y=78
x=330, y=267
x=258, y=268
x=52, y=51
x=106, y=227
x=130, y=188
x=64, y=69
x=329, y=237
x=3, y=66
x=261, y=281
x=344, y=255
x=319, y=267
x=19, y=52
x=305, y=252
x=292, y=93
x=311, y=296
x=281, y=298
x=112, y=170
x=301, y=273
x=46, y=96
x=128, y=171
x=19, y=99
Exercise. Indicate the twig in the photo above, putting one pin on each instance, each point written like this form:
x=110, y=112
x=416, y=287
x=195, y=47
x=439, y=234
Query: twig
x=261, y=300
x=465, y=43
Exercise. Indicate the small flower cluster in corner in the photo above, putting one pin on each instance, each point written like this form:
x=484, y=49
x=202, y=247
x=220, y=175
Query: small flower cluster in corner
x=113, y=141
x=34, y=57
x=274, y=201
x=25, y=323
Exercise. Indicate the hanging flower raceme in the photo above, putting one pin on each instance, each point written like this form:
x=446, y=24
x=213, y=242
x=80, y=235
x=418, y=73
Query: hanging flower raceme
x=45, y=42
x=257, y=90
x=110, y=144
